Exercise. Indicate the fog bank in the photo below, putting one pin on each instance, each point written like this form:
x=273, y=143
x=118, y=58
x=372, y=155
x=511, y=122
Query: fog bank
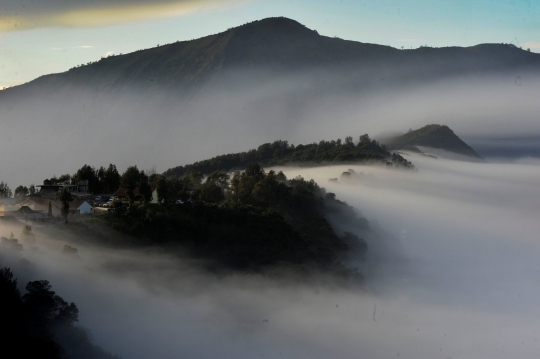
x=467, y=232
x=56, y=133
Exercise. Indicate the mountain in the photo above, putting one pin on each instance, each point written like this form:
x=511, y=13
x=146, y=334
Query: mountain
x=186, y=101
x=434, y=136
x=277, y=45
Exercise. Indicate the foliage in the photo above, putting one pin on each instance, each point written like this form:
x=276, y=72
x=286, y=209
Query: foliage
x=5, y=191
x=21, y=191
x=129, y=181
x=281, y=153
x=65, y=198
x=35, y=322
x=251, y=220
x=88, y=173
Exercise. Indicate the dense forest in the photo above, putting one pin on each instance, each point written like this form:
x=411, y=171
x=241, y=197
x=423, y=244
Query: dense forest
x=40, y=324
x=248, y=221
x=280, y=153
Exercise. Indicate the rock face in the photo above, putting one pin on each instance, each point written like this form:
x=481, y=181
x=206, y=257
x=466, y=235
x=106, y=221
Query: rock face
x=433, y=136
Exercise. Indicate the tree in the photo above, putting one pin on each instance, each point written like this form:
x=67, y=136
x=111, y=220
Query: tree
x=129, y=181
x=32, y=190
x=213, y=189
x=63, y=179
x=111, y=179
x=21, y=191
x=65, y=198
x=144, y=188
x=162, y=187
x=87, y=173
x=5, y=191
x=349, y=141
x=364, y=139
x=234, y=188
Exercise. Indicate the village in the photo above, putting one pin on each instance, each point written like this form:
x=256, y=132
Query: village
x=45, y=207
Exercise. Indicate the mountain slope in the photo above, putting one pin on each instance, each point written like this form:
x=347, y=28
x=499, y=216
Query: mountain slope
x=434, y=136
x=278, y=45
x=189, y=100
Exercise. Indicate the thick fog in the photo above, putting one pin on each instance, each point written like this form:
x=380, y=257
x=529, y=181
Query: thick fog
x=55, y=133
x=461, y=282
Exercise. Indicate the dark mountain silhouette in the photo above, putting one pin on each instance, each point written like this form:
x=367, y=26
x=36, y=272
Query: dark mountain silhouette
x=270, y=47
x=434, y=136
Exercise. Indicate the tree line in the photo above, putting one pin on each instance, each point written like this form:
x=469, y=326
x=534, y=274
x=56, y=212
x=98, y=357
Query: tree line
x=282, y=153
x=40, y=324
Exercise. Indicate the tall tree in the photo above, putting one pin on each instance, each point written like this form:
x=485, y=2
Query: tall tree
x=144, y=188
x=21, y=191
x=213, y=189
x=88, y=173
x=111, y=179
x=65, y=198
x=5, y=191
x=162, y=187
x=129, y=181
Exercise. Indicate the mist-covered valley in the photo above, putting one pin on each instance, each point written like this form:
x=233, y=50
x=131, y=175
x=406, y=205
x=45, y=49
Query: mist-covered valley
x=455, y=277
x=377, y=257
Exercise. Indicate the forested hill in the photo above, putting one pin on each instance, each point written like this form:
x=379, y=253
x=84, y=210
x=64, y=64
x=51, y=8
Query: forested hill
x=281, y=153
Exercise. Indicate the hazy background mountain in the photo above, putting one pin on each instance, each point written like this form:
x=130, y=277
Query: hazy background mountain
x=267, y=80
x=435, y=137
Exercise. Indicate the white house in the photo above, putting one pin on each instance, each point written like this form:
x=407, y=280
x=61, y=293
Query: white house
x=83, y=207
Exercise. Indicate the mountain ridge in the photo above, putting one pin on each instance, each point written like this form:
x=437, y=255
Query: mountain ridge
x=280, y=44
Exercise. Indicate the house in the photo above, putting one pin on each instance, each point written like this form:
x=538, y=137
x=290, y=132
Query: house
x=121, y=193
x=28, y=214
x=41, y=204
x=80, y=206
x=77, y=206
x=10, y=204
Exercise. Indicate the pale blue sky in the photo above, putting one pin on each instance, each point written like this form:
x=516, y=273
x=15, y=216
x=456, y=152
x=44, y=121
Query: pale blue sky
x=52, y=41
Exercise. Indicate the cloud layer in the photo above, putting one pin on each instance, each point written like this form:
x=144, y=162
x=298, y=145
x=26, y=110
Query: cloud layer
x=27, y=14
x=468, y=232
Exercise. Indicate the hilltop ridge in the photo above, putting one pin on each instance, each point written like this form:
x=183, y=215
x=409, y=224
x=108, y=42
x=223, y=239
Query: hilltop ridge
x=434, y=136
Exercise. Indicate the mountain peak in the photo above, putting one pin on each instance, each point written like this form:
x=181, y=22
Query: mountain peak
x=276, y=24
x=434, y=136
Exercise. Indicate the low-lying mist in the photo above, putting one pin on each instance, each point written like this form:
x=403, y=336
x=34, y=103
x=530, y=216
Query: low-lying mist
x=461, y=280
x=53, y=133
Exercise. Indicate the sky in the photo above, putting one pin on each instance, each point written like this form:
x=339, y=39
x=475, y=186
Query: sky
x=50, y=36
